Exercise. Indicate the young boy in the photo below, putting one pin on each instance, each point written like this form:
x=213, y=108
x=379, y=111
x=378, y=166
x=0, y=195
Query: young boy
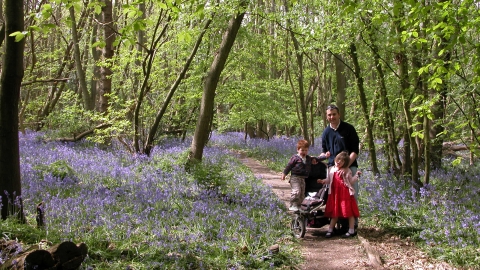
x=300, y=165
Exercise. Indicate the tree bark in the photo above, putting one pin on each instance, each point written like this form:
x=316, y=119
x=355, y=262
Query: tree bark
x=10, y=82
x=301, y=90
x=391, y=146
x=439, y=107
x=148, y=63
x=107, y=55
x=341, y=84
x=204, y=121
x=78, y=63
x=363, y=101
x=410, y=164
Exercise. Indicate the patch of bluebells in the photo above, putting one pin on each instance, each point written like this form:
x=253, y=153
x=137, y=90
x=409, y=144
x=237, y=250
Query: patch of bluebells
x=276, y=150
x=115, y=196
x=446, y=211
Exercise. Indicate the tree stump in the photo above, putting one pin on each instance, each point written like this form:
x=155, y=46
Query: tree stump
x=63, y=256
x=40, y=217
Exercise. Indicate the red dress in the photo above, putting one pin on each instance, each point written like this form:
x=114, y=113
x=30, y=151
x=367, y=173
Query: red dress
x=340, y=204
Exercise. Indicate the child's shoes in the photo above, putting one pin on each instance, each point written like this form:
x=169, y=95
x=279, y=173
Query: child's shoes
x=348, y=235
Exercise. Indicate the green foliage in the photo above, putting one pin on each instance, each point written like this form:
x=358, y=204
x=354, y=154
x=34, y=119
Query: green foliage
x=59, y=169
x=71, y=120
x=213, y=175
x=19, y=35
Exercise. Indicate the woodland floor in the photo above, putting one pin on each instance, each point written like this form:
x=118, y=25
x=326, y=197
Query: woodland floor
x=371, y=249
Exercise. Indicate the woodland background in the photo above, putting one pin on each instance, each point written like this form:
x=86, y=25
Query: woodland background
x=405, y=73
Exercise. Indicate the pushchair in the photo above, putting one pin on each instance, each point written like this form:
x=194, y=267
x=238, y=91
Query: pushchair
x=311, y=213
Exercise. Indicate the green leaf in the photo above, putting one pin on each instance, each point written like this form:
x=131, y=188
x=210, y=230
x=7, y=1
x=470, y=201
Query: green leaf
x=100, y=44
x=200, y=9
x=47, y=8
x=34, y=28
x=457, y=161
x=18, y=35
x=184, y=37
x=138, y=26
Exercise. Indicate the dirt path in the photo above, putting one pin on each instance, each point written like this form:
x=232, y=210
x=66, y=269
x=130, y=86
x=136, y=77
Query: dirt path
x=319, y=252
x=372, y=249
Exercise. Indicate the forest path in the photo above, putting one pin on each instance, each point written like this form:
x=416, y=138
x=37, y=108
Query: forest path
x=372, y=249
x=318, y=251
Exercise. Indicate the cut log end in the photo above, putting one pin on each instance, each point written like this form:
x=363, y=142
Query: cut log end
x=65, y=256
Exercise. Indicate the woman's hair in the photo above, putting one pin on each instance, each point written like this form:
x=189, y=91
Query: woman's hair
x=343, y=156
x=302, y=144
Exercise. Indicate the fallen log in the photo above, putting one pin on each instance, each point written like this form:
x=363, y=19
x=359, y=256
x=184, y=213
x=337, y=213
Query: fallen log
x=63, y=256
x=450, y=146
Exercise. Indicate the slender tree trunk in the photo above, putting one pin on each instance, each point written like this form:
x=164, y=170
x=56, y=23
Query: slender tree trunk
x=78, y=62
x=363, y=101
x=145, y=85
x=300, y=99
x=428, y=144
x=393, y=155
x=107, y=55
x=324, y=93
x=10, y=82
x=301, y=90
x=173, y=88
x=65, y=66
x=141, y=41
x=439, y=107
x=204, y=122
x=341, y=84
x=95, y=79
x=410, y=160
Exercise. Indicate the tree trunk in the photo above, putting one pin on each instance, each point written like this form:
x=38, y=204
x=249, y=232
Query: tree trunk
x=363, y=101
x=107, y=54
x=78, y=63
x=249, y=131
x=141, y=40
x=173, y=88
x=301, y=90
x=324, y=92
x=58, y=85
x=148, y=63
x=341, y=84
x=392, y=153
x=439, y=107
x=10, y=82
x=410, y=160
x=204, y=121
x=95, y=79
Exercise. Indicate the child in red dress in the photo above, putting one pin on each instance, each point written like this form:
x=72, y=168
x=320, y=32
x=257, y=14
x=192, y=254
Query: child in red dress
x=341, y=202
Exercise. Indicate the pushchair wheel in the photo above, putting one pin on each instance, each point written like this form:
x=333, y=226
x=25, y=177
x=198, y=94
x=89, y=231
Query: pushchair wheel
x=298, y=226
